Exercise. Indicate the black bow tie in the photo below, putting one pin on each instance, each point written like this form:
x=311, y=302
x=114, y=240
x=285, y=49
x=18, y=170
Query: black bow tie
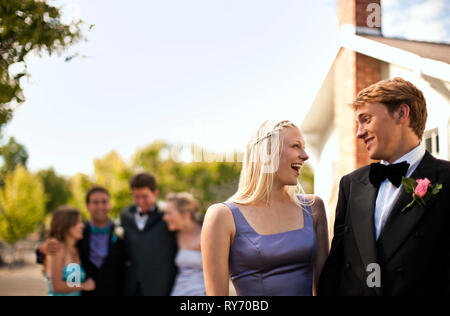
x=395, y=173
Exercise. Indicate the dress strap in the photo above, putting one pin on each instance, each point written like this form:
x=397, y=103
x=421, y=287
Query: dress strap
x=239, y=219
x=307, y=212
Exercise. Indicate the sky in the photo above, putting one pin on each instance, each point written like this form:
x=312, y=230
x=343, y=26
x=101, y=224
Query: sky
x=187, y=71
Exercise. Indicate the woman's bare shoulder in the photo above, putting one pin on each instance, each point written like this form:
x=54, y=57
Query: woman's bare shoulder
x=219, y=214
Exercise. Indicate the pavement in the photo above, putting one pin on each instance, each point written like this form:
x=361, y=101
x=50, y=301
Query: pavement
x=25, y=280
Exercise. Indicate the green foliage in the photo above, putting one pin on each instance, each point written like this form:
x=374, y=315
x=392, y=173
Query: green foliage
x=409, y=184
x=307, y=178
x=79, y=185
x=436, y=189
x=209, y=182
x=112, y=173
x=149, y=158
x=22, y=205
x=57, y=189
x=12, y=154
x=26, y=26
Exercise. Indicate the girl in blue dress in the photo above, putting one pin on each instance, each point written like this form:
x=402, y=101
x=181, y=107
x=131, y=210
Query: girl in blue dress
x=65, y=275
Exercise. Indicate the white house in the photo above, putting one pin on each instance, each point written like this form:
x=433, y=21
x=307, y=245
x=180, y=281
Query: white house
x=365, y=57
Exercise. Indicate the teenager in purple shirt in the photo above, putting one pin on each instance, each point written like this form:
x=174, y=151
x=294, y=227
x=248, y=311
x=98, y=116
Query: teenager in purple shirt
x=101, y=250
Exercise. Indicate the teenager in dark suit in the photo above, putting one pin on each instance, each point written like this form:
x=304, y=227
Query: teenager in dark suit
x=102, y=248
x=378, y=247
x=151, y=248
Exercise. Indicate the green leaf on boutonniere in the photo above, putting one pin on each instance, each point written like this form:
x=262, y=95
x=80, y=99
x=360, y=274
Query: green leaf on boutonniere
x=436, y=189
x=410, y=187
x=409, y=184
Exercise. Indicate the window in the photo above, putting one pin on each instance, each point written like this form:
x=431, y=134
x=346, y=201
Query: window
x=431, y=140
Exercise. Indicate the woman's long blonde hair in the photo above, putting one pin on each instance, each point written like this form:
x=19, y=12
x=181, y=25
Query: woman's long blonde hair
x=260, y=165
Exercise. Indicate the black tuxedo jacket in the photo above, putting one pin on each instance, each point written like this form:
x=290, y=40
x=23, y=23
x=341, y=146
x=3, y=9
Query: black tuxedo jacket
x=151, y=253
x=412, y=251
x=109, y=278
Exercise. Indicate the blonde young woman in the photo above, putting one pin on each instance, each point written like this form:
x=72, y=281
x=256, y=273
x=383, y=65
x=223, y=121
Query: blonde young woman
x=270, y=239
x=182, y=214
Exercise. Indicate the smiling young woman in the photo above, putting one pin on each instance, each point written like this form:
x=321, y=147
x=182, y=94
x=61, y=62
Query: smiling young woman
x=268, y=237
x=64, y=266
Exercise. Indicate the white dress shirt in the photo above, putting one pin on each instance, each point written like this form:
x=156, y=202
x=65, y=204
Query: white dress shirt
x=142, y=220
x=388, y=193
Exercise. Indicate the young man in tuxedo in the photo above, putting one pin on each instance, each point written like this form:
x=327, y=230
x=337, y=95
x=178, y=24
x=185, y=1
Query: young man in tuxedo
x=102, y=249
x=378, y=248
x=150, y=246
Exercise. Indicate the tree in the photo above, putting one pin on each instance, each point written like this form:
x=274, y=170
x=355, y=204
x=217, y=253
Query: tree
x=26, y=26
x=149, y=157
x=112, y=173
x=22, y=205
x=209, y=182
x=57, y=189
x=12, y=154
x=209, y=179
x=79, y=185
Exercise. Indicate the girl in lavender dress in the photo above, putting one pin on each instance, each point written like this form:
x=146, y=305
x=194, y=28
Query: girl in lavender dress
x=270, y=239
x=182, y=215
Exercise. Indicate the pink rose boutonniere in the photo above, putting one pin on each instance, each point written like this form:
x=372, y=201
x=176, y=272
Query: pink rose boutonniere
x=421, y=190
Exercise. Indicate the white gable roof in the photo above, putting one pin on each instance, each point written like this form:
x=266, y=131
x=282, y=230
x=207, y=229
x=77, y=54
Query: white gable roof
x=321, y=112
x=392, y=55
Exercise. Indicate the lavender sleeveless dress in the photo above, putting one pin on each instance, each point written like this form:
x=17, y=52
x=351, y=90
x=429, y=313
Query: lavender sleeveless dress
x=272, y=265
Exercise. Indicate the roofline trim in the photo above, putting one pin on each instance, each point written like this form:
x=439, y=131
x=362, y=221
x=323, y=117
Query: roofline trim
x=393, y=55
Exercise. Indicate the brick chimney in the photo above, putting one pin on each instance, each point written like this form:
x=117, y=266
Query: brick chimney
x=352, y=73
x=360, y=16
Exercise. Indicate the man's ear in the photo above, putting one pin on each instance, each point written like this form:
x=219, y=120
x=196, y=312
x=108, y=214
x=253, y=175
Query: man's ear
x=156, y=193
x=403, y=113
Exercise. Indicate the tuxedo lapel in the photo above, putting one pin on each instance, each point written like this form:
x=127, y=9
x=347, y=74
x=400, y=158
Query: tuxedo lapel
x=399, y=225
x=362, y=206
x=129, y=216
x=84, y=243
x=154, y=216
